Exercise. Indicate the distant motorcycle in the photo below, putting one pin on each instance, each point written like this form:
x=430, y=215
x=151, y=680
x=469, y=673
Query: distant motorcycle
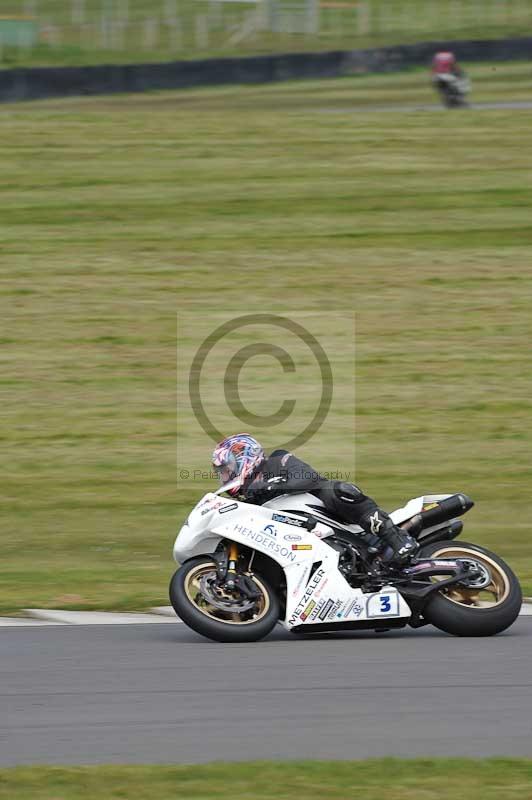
x=246, y=567
x=453, y=90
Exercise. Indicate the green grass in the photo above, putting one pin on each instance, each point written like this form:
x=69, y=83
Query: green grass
x=120, y=214
x=416, y=779
x=101, y=38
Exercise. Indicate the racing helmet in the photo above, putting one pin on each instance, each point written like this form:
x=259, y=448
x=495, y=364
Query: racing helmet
x=235, y=457
x=444, y=61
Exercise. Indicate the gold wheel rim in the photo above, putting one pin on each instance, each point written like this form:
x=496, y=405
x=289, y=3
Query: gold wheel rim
x=201, y=603
x=490, y=596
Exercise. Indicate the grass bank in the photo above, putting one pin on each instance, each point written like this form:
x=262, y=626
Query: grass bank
x=417, y=779
x=122, y=216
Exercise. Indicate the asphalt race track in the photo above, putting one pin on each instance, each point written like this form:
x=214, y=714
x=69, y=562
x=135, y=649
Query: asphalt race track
x=160, y=693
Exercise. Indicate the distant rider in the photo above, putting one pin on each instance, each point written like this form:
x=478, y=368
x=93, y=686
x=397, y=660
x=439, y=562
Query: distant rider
x=261, y=478
x=445, y=69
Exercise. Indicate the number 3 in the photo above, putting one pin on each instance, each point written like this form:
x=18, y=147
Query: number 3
x=385, y=603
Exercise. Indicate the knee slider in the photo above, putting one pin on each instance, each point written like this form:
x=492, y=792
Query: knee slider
x=348, y=492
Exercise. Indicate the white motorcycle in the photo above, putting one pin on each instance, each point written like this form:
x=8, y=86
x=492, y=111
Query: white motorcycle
x=246, y=567
x=452, y=89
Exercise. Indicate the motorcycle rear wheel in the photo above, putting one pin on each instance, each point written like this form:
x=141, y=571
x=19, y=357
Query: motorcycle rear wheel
x=464, y=610
x=216, y=614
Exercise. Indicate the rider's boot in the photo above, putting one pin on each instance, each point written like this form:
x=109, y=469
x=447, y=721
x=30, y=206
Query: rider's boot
x=398, y=547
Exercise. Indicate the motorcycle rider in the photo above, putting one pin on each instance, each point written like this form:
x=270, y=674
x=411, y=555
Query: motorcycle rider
x=260, y=478
x=445, y=68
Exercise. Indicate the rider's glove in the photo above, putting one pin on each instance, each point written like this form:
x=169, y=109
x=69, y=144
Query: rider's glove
x=261, y=491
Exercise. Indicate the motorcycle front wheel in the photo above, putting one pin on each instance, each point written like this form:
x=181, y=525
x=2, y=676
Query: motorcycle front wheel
x=219, y=614
x=481, y=607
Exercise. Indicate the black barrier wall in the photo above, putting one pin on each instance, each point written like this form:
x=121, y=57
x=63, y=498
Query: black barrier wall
x=41, y=82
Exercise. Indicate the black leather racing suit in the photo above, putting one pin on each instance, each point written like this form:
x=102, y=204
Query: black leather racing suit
x=284, y=473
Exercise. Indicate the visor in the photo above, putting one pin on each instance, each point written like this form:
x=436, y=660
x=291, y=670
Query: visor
x=227, y=472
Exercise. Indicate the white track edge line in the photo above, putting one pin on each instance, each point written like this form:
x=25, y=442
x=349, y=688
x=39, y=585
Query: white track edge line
x=161, y=615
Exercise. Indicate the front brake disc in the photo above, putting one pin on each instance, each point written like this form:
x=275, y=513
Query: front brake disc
x=220, y=598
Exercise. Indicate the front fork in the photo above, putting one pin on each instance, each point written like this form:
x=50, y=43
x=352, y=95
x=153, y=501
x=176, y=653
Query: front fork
x=231, y=579
x=232, y=558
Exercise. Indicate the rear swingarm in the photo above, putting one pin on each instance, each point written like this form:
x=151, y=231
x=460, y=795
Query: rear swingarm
x=418, y=592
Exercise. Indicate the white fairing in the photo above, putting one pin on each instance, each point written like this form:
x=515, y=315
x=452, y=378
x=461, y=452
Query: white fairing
x=323, y=598
x=463, y=84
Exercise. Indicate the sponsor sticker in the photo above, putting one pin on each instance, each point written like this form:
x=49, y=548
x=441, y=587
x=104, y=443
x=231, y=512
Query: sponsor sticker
x=292, y=537
x=264, y=539
x=301, y=547
x=317, y=609
x=341, y=611
x=298, y=523
x=313, y=583
x=326, y=609
x=353, y=608
x=300, y=583
x=334, y=610
x=212, y=505
x=230, y=507
x=307, y=611
x=270, y=530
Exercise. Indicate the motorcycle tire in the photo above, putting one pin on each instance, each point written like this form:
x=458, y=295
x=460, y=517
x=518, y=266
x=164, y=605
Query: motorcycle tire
x=194, y=609
x=458, y=609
